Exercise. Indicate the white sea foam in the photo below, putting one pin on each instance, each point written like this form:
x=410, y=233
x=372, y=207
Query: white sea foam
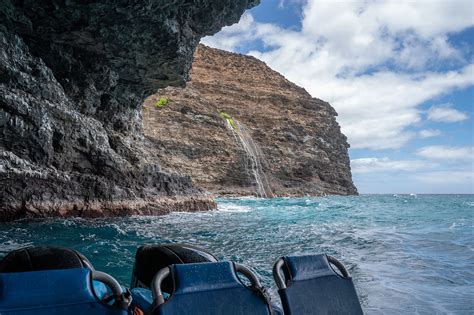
x=118, y=229
x=10, y=245
x=69, y=222
x=231, y=207
x=247, y=198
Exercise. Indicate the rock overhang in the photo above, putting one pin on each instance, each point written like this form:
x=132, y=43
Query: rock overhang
x=73, y=79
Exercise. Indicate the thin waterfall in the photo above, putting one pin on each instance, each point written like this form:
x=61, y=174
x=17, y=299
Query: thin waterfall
x=253, y=154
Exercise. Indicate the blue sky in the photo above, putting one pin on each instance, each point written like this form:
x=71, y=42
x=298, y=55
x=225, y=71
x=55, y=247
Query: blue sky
x=399, y=73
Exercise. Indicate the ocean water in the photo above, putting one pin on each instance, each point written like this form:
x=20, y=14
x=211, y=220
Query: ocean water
x=407, y=254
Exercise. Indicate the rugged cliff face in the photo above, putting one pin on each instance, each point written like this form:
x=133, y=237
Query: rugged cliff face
x=73, y=77
x=234, y=110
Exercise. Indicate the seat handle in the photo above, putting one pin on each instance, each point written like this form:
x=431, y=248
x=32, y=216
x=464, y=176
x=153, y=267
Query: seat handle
x=249, y=274
x=158, y=298
x=345, y=273
x=157, y=293
x=279, y=276
x=109, y=281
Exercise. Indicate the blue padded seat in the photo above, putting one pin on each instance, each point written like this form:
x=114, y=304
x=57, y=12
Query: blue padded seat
x=149, y=259
x=143, y=299
x=51, y=292
x=311, y=286
x=210, y=289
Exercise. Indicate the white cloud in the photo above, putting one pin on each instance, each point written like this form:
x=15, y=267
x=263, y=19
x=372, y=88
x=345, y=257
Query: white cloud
x=448, y=177
x=428, y=133
x=426, y=18
x=370, y=165
x=231, y=37
x=445, y=113
x=344, y=52
x=439, y=152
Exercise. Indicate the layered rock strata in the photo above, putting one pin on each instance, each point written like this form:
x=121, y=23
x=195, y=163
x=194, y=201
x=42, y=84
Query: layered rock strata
x=297, y=137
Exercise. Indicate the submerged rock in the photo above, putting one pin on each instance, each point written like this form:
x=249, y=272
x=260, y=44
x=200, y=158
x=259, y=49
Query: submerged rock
x=73, y=77
x=303, y=151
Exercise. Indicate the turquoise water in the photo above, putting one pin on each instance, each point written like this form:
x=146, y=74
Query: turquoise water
x=407, y=254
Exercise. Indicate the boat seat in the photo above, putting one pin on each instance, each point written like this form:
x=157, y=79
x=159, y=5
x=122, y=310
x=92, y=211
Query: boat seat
x=209, y=289
x=149, y=259
x=54, y=281
x=36, y=258
x=309, y=285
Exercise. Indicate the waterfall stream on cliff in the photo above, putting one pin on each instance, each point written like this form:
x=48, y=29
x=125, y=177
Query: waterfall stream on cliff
x=253, y=154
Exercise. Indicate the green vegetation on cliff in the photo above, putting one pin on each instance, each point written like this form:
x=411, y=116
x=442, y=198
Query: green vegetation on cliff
x=162, y=102
x=229, y=119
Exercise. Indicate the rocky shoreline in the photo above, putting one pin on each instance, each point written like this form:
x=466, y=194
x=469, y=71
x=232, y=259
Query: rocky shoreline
x=99, y=208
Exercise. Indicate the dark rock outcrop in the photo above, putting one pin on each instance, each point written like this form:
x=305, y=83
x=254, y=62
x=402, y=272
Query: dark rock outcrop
x=73, y=77
x=303, y=149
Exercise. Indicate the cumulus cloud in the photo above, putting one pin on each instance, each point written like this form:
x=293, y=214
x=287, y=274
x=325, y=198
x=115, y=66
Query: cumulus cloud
x=439, y=152
x=374, y=61
x=448, y=177
x=283, y=3
x=370, y=165
x=428, y=133
x=446, y=113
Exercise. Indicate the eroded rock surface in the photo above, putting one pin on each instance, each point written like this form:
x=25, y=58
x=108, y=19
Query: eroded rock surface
x=73, y=77
x=303, y=149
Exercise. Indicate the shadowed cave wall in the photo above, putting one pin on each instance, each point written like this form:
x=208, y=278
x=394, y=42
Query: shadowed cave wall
x=73, y=76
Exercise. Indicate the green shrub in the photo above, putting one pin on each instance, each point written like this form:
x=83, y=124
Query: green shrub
x=162, y=102
x=229, y=119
